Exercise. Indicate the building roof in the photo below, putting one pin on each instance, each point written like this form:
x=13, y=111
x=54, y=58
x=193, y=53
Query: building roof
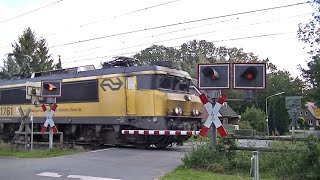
x=227, y=111
x=311, y=107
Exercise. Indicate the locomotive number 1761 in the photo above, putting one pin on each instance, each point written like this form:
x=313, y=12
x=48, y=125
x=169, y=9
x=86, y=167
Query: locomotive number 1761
x=6, y=111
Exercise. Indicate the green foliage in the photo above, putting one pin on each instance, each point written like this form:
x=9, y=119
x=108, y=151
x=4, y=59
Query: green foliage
x=5, y=150
x=245, y=125
x=9, y=69
x=312, y=79
x=192, y=53
x=157, y=53
x=309, y=34
x=255, y=117
x=278, y=117
x=296, y=160
x=30, y=54
x=302, y=123
x=183, y=173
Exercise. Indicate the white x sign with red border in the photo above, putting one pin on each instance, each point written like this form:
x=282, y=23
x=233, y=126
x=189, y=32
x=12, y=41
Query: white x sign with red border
x=213, y=115
x=49, y=120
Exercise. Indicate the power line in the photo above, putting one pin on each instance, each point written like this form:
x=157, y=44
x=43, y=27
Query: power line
x=180, y=23
x=231, y=39
x=131, y=12
x=193, y=27
x=170, y=32
x=117, y=16
x=121, y=54
x=30, y=11
x=192, y=35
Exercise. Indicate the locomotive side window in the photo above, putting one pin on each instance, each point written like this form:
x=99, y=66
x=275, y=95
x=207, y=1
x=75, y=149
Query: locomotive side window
x=174, y=83
x=146, y=81
x=163, y=82
x=14, y=96
x=80, y=91
x=166, y=82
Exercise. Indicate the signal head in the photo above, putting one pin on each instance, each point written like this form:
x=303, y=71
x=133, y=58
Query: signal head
x=51, y=88
x=213, y=76
x=249, y=76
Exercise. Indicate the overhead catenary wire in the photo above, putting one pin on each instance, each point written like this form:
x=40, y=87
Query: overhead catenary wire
x=222, y=40
x=131, y=12
x=29, y=12
x=192, y=35
x=160, y=34
x=120, y=15
x=179, y=23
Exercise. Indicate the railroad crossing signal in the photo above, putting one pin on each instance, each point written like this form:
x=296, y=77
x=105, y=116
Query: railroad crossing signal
x=249, y=75
x=214, y=76
x=49, y=120
x=213, y=115
x=51, y=88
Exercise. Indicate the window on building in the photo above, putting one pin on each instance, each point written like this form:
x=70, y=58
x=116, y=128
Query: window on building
x=306, y=113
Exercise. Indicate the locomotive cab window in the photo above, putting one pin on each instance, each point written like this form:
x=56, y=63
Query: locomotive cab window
x=163, y=82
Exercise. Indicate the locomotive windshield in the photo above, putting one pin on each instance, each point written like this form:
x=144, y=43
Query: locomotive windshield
x=163, y=82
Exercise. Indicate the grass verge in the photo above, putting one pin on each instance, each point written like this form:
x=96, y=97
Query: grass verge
x=5, y=150
x=183, y=173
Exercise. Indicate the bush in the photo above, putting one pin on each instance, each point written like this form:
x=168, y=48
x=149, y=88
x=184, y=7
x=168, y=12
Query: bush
x=300, y=160
x=256, y=118
x=245, y=125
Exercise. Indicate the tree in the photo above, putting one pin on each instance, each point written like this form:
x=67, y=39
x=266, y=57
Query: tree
x=278, y=116
x=255, y=117
x=192, y=53
x=245, y=125
x=30, y=55
x=157, y=53
x=9, y=69
x=309, y=33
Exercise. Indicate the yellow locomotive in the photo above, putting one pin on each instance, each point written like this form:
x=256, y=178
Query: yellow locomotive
x=97, y=104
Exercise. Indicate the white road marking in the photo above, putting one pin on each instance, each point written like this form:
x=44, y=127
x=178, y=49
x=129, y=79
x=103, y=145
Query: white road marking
x=101, y=150
x=50, y=174
x=89, y=177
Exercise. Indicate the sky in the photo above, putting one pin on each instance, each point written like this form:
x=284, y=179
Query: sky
x=86, y=32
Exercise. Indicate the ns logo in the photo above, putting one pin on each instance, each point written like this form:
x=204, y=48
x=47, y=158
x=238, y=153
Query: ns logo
x=111, y=83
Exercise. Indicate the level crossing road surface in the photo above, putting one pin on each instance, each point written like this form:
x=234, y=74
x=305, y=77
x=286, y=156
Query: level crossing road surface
x=112, y=163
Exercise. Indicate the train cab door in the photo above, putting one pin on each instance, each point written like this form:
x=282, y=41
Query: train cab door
x=131, y=87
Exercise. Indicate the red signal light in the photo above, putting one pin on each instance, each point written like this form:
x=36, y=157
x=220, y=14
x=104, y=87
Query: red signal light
x=249, y=76
x=250, y=73
x=50, y=87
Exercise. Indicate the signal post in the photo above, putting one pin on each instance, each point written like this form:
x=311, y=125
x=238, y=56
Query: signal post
x=50, y=89
x=215, y=77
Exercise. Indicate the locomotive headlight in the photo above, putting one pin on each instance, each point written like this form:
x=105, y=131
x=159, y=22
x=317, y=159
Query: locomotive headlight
x=180, y=111
x=195, y=112
x=155, y=119
x=177, y=111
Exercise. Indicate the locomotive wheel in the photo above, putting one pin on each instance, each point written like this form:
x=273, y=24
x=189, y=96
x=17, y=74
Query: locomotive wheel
x=162, y=143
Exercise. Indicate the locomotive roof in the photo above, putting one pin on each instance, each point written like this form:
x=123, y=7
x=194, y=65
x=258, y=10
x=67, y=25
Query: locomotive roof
x=97, y=72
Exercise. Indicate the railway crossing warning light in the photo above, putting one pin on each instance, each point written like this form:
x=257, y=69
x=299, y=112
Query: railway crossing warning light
x=51, y=88
x=249, y=76
x=213, y=76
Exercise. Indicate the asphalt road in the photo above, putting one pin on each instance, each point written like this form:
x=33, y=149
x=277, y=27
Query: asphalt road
x=105, y=164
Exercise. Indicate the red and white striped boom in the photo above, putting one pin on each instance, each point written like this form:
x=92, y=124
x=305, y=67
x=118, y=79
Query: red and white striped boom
x=161, y=132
